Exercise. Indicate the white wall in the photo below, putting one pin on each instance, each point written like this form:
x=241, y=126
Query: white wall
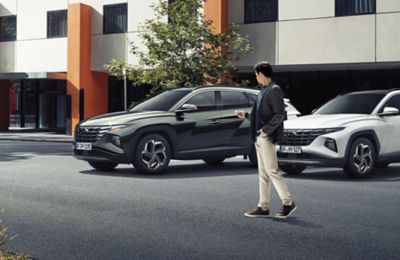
x=334, y=40
x=388, y=37
x=8, y=7
x=45, y=55
x=32, y=17
x=300, y=9
x=383, y=6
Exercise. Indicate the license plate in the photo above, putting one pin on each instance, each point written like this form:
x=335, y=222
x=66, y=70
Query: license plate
x=289, y=149
x=84, y=146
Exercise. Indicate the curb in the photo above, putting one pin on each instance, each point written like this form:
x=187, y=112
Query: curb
x=35, y=140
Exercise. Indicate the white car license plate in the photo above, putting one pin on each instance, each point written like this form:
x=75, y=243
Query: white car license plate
x=289, y=149
x=84, y=146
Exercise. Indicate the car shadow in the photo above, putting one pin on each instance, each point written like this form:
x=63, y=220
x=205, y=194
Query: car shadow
x=194, y=170
x=391, y=173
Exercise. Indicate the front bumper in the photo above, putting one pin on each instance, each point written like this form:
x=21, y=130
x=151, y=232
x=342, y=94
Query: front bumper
x=307, y=159
x=99, y=155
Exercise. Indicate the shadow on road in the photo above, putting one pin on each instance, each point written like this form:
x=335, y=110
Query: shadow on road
x=199, y=170
x=196, y=170
x=391, y=173
x=297, y=222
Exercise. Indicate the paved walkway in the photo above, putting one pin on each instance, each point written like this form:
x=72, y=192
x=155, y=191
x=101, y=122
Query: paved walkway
x=35, y=136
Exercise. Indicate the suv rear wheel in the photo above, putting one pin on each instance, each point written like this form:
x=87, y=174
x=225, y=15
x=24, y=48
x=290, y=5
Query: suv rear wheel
x=292, y=169
x=103, y=166
x=361, y=158
x=152, y=155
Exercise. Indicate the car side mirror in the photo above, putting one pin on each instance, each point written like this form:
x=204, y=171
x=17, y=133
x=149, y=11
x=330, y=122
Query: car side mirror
x=388, y=111
x=186, y=108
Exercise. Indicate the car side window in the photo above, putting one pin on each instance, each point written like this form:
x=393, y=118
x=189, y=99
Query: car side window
x=204, y=101
x=392, y=102
x=234, y=99
x=252, y=98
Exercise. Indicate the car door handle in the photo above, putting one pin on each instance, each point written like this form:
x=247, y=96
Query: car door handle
x=215, y=122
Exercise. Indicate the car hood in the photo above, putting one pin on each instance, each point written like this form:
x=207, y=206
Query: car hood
x=323, y=121
x=123, y=117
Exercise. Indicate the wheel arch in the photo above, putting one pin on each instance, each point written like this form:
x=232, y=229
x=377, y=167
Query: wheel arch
x=163, y=130
x=370, y=135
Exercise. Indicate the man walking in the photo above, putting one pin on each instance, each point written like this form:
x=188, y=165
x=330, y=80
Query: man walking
x=266, y=126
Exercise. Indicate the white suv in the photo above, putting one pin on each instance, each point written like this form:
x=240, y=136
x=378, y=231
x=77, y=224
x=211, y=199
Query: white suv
x=357, y=131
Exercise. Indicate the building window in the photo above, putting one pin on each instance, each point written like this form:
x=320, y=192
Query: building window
x=8, y=28
x=257, y=11
x=115, y=18
x=354, y=7
x=57, y=23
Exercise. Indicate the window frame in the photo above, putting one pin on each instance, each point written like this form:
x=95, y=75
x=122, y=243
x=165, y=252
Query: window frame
x=48, y=24
x=8, y=16
x=265, y=20
x=352, y=14
x=125, y=30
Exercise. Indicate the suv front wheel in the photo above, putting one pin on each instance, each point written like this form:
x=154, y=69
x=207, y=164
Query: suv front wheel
x=152, y=155
x=361, y=158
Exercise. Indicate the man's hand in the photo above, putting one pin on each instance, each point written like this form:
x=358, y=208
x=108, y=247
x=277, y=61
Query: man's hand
x=240, y=113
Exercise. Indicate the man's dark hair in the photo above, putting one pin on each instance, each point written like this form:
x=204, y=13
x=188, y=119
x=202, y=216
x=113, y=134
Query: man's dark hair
x=265, y=68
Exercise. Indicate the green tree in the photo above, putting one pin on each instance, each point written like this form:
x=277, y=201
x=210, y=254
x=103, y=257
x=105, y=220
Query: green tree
x=182, y=50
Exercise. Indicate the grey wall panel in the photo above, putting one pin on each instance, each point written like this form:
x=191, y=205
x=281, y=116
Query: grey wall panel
x=263, y=41
x=333, y=40
x=235, y=11
x=7, y=57
x=303, y=9
x=384, y=6
x=388, y=37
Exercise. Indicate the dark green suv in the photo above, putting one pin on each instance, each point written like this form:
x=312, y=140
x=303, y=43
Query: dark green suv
x=198, y=123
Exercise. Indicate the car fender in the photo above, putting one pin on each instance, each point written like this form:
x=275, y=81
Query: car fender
x=370, y=133
x=162, y=129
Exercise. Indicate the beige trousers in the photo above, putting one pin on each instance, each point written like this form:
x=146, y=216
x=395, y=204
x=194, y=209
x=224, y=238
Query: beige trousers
x=269, y=172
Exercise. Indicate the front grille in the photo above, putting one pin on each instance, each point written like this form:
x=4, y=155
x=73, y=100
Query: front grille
x=301, y=137
x=90, y=134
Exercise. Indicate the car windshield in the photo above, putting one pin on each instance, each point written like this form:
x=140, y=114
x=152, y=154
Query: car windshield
x=161, y=102
x=358, y=103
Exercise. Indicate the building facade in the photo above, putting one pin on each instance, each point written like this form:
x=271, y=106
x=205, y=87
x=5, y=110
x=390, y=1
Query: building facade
x=53, y=52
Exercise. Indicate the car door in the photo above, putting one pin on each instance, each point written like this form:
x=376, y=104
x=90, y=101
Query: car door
x=236, y=134
x=203, y=128
x=390, y=141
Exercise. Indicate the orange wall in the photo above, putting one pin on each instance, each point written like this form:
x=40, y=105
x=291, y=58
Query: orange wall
x=79, y=74
x=4, y=104
x=217, y=12
x=13, y=101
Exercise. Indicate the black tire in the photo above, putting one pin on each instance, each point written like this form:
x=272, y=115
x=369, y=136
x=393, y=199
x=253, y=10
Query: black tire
x=214, y=161
x=361, y=158
x=103, y=166
x=152, y=154
x=292, y=169
x=253, y=156
x=381, y=165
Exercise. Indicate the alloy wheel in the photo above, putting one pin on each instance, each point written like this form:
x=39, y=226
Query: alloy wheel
x=362, y=158
x=154, y=154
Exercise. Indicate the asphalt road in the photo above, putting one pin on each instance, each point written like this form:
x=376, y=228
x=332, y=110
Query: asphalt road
x=62, y=209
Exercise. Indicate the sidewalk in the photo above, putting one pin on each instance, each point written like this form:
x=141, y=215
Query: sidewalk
x=35, y=136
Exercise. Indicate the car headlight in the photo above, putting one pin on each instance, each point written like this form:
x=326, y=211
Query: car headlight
x=332, y=130
x=118, y=127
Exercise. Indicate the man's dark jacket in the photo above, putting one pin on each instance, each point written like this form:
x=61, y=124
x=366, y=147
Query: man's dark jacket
x=272, y=114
